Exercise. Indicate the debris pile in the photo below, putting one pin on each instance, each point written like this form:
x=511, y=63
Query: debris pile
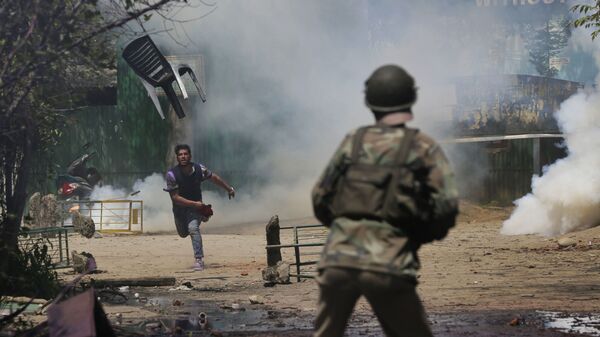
x=44, y=211
x=83, y=225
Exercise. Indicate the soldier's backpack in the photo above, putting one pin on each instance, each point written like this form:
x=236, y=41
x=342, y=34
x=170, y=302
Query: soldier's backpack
x=380, y=192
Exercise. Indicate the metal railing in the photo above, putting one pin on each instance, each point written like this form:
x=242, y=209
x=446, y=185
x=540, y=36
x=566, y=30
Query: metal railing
x=111, y=216
x=304, y=240
x=56, y=240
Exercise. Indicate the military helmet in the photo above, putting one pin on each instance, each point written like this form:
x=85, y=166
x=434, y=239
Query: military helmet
x=389, y=89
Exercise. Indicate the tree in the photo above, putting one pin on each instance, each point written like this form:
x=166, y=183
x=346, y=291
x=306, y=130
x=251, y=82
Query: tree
x=547, y=42
x=590, y=18
x=45, y=45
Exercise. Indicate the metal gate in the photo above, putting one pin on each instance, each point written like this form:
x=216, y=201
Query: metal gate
x=111, y=216
x=306, y=243
x=56, y=239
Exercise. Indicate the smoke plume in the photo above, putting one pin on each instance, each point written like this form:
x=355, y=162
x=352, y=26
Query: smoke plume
x=567, y=196
x=288, y=77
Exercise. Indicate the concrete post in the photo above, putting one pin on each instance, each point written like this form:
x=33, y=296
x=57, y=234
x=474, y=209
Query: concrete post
x=273, y=254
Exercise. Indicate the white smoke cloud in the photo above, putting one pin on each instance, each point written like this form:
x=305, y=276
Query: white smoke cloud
x=567, y=196
x=289, y=76
x=106, y=192
x=157, y=215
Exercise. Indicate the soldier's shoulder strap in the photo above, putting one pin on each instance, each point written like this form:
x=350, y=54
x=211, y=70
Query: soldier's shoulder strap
x=357, y=142
x=402, y=154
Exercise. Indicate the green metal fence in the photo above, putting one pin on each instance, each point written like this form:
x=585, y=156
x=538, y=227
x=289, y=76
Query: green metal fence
x=305, y=244
x=55, y=238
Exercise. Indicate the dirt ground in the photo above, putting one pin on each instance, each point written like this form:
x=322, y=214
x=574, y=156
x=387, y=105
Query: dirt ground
x=475, y=282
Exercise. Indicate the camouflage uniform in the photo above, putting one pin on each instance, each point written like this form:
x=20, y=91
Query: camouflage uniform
x=374, y=258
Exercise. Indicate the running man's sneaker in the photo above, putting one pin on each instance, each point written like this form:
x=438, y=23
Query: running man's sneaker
x=199, y=265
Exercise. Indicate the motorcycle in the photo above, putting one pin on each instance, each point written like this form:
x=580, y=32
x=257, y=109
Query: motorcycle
x=76, y=186
x=79, y=181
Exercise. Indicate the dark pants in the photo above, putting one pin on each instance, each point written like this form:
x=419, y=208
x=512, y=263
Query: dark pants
x=393, y=299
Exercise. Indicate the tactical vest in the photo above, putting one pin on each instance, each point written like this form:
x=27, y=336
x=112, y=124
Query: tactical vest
x=188, y=186
x=375, y=191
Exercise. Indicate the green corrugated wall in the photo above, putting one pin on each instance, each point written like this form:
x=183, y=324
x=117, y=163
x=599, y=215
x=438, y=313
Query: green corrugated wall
x=501, y=172
x=130, y=139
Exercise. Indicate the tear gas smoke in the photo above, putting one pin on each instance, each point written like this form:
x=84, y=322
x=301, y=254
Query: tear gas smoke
x=157, y=204
x=288, y=76
x=567, y=196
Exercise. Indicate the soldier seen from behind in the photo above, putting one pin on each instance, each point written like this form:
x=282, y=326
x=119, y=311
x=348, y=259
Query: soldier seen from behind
x=387, y=190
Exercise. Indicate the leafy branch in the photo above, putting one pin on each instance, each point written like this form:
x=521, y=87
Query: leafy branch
x=590, y=18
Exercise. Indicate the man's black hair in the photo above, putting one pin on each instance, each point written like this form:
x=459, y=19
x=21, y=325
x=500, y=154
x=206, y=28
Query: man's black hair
x=182, y=147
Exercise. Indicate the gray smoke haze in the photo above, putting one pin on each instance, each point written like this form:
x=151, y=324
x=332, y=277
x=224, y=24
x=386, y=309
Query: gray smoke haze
x=566, y=197
x=289, y=77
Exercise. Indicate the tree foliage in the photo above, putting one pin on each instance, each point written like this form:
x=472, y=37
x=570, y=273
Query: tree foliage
x=590, y=17
x=547, y=42
x=47, y=48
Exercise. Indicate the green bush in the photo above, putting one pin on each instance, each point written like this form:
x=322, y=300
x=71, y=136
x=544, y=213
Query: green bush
x=29, y=272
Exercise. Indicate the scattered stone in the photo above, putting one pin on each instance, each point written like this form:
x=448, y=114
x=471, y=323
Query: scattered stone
x=83, y=225
x=124, y=289
x=83, y=262
x=530, y=266
x=181, y=287
x=44, y=211
x=566, y=242
x=515, y=321
x=279, y=273
x=244, y=274
x=528, y=295
x=233, y=306
x=254, y=299
x=177, y=303
x=188, y=284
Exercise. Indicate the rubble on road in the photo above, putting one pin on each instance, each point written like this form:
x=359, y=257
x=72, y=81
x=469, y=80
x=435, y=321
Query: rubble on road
x=279, y=273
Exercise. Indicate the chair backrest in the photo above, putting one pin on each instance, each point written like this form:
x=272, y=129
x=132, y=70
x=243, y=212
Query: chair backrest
x=148, y=62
